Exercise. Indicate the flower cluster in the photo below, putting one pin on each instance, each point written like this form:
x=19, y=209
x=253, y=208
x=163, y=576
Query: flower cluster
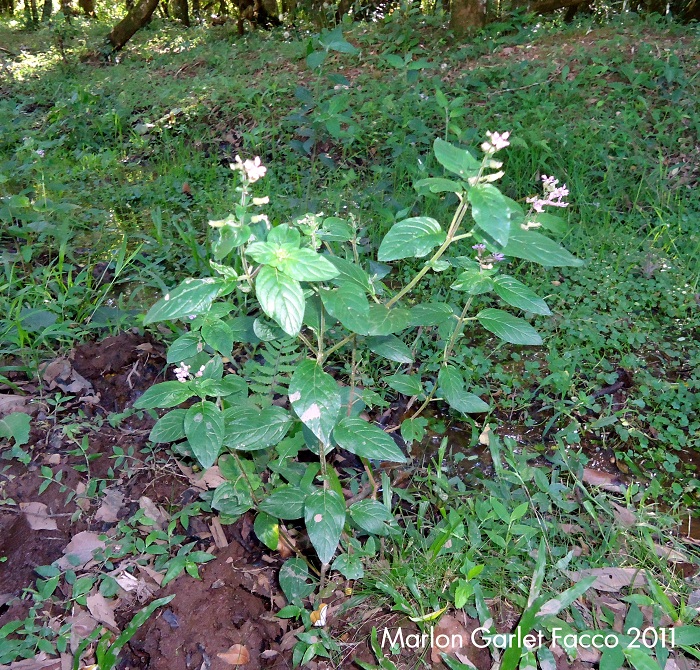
x=252, y=169
x=182, y=372
x=553, y=195
x=486, y=262
x=495, y=142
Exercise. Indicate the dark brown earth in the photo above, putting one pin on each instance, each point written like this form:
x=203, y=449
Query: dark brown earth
x=235, y=599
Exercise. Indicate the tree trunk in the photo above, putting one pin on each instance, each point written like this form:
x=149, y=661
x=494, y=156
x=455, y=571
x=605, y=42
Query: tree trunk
x=46, y=10
x=179, y=10
x=88, y=7
x=7, y=7
x=31, y=13
x=467, y=15
x=135, y=19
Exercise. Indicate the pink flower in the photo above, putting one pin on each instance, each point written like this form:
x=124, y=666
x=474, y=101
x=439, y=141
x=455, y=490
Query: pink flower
x=495, y=142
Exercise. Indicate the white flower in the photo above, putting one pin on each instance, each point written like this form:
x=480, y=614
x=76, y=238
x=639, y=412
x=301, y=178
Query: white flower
x=495, y=142
x=182, y=373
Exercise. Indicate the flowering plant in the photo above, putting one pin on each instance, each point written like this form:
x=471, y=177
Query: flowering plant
x=303, y=290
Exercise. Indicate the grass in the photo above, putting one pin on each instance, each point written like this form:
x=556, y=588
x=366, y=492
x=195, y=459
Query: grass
x=135, y=160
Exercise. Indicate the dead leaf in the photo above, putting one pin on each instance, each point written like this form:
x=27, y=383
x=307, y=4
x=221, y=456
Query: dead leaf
x=209, y=479
x=623, y=516
x=485, y=437
x=82, y=624
x=611, y=580
x=37, y=516
x=59, y=373
x=269, y=653
x=127, y=581
x=80, y=500
x=10, y=403
x=217, y=532
x=670, y=554
x=157, y=577
x=237, y=654
x=39, y=662
x=80, y=549
x=101, y=609
x=453, y=635
x=153, y=512
x=603, y=480
x=112, y=502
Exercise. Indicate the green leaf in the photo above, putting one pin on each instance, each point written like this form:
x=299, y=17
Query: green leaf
x=164, y=395
x=452, y=387
x=371, y=516
x=382, y=320
x=315, y=59
x=232, y=499
x=219, y=336
x=508, y=327
x=250, y=429
x=204, y=428
x=458, y=161
x=16, y=426
x=518, y=295
x=413, y=430
x=169, y=428
x=184, y=347
x=406, y=384
x=490, y=211
x=640, y=660
x=324, y=516
x=535, y=247
x=350, y=272
x=430, y=314
x=688, y=636
x=474, y=282
x=367, y=440
x=348, y=303
x=307, y=265
x=348, y=565
x=281, y=298
x=416, y=237
x=285, y=502
x=552, y=223
x=294, y=576
x=390, y=347
x=315, y=397
x=193, y=296
x=438, y=185
x=336, y=230
x=267, y=529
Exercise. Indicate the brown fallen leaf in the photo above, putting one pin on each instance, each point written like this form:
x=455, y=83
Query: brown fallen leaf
x=102, y=610
x=10, y=403
x=623, y=516
x=610, y=579
x=153, y=512
x=211, y=478
x=217, y=532
x=81, y=549
x=37, y=516
x=485, y=437
x=59, y=373
x=82, y=624
x=603, y=480
x=39, y=662
x=237, y=654
x=452, y=636
x=157, y=577
x=112, y=502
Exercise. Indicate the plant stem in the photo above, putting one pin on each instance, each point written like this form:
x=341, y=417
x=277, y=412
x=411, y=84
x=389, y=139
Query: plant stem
x=454, y=227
